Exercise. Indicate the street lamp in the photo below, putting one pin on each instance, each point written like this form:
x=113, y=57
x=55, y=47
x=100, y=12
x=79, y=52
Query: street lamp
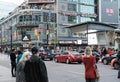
x=48, y=30
x=11, y=37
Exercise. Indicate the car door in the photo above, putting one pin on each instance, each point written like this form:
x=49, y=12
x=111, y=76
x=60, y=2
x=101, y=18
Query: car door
x=65, y=56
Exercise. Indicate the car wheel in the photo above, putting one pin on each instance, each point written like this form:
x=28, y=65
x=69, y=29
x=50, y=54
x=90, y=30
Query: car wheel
x=105, y=62
x=55, y=59
x=80, y=62
x=115, y=65
x=51, y=59
x=43, y=58
x=67, y=61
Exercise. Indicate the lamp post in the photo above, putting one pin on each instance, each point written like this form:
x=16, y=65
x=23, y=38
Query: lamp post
x=11, y=37
x=48, y=30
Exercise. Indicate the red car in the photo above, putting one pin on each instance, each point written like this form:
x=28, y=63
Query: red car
x=68, y=57
x=114, y=63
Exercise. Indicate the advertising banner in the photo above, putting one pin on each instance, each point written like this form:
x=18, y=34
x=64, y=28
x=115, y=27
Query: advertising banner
x=109, y=11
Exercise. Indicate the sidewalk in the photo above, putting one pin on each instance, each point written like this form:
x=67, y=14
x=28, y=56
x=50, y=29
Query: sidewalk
x=5, y=75
x=5, y=72
x=4, y=56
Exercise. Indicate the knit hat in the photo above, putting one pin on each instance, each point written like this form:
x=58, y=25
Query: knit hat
x=34, y=50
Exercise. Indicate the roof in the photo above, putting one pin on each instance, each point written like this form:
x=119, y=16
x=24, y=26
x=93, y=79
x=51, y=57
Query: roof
x=97, y=26
x=98, y=23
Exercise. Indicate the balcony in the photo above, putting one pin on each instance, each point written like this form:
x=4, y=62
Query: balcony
x=27, y=23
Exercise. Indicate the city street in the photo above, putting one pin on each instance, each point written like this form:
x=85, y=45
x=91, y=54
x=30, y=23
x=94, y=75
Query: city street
x=60, y=72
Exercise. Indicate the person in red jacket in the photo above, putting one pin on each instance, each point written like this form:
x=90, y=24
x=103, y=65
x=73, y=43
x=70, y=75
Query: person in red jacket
x=89, y=63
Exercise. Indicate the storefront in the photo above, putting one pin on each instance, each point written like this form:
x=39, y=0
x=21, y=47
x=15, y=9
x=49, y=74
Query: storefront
x=95, y=32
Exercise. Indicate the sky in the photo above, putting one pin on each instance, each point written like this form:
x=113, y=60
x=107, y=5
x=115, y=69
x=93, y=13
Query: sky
x=7, y=6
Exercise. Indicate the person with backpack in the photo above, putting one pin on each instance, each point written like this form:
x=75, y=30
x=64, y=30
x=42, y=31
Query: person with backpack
x=35, y=69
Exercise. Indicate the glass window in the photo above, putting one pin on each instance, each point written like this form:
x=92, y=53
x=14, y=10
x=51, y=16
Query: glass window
x=87, y=9
x=72, y=7
x=87, y=1
x=72, y=19
x=73, y=0
x=21, y=18
x=85, y=19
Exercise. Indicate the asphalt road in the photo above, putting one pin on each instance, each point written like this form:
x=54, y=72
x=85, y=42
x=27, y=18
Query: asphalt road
x=61, y=72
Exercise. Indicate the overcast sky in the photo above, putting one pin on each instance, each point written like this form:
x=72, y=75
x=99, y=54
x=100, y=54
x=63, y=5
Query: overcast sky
x=7, y=6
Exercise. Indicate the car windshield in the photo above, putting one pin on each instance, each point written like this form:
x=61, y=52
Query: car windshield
x=74, y=52
x=114, y=55
x=94, y=53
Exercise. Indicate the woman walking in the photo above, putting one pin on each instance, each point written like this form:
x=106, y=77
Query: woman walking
x=89, y=64
x=20, y=76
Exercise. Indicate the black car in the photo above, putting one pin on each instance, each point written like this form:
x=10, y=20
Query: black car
x=94, y=53
x=107, y=59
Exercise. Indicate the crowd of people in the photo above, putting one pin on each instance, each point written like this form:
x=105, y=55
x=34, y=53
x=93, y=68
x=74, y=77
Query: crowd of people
x=29, y=67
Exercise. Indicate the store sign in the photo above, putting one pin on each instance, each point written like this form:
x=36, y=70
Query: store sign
x=109, y=11
x=71, y=13
x=67, y=42
x=88, y=15
x=26, y=38
x=41, y=1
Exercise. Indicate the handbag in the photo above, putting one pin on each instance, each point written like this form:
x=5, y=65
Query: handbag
x=97, y=74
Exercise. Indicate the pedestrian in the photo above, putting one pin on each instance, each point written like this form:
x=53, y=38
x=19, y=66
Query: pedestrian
x=118, y=59
x=19, y=55
x=89, y=62
x=35, y=69
x=20, y=76
x=13, y=62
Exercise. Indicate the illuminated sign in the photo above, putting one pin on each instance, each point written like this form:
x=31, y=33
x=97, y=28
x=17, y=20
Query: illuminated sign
x=41, y=1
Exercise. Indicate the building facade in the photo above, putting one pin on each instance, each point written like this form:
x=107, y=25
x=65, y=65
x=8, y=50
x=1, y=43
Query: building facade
x=45, y=21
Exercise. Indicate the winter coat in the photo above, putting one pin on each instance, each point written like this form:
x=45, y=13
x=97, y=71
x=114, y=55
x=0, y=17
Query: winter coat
x=35, y=70
x=20, y=75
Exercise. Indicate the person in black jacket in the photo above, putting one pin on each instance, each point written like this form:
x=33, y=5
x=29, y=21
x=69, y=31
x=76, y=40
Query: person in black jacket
x=35, y=69
x=13, y=62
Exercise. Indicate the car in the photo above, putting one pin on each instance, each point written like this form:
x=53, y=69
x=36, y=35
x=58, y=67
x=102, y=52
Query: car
x=107, y=59
x=46, y=55
x=94, y=53
x=114, y=63
x=68, y=57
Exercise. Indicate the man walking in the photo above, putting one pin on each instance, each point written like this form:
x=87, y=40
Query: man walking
x=35, y=69
x=13, y=62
